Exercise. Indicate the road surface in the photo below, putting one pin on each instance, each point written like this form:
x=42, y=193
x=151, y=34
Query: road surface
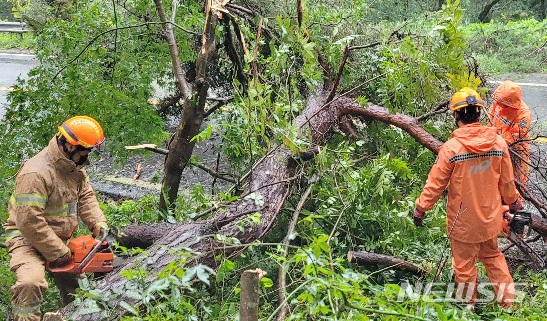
x=12, y=66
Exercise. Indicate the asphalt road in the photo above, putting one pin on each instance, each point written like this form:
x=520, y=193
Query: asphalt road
x=12, y=66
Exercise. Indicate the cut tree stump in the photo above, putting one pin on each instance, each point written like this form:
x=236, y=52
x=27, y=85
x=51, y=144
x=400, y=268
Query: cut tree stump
x=248, y=298
x=373, y=259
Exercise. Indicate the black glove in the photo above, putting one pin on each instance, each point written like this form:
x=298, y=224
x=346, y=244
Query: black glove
x=516, y=206
x=418, y=217
x=62, y=261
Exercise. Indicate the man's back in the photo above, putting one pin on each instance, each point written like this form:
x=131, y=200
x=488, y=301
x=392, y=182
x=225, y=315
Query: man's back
x=476, y=166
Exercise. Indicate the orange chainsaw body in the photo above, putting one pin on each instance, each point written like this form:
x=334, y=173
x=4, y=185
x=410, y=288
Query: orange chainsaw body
x=102, y=261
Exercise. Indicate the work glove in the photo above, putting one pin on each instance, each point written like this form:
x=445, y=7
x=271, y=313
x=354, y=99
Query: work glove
x=62, y=261
x=98, y=227
x=418, y=217
x=516, y=206
x=506, y=228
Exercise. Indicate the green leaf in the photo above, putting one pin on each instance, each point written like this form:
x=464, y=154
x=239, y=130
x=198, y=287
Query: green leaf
x=129, y=308
x=266, y=282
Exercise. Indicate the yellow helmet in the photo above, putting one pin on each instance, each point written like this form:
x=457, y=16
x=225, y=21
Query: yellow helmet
x=83, y=131
x=465, y=97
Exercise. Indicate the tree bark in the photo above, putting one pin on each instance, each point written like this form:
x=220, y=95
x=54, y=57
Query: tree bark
x=181, y=145
x=248, y=298
x=484, y=15
x=440, y=4
x=373, y=259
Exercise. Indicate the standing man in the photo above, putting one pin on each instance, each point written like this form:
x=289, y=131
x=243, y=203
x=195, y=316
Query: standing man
x=51, y=191
x=511, y=117
x=476, y=166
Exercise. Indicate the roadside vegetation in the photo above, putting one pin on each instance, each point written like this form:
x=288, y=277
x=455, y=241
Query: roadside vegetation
x=362, y=188
x=504, y=47
x=13, y=41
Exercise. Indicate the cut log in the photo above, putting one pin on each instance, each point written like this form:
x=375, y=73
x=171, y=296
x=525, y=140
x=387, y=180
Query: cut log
x=372, y=259
x=248, y=297
x=539, y=224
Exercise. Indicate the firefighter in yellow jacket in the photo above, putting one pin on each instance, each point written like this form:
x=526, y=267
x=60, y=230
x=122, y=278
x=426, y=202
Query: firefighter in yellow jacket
x=51, y=191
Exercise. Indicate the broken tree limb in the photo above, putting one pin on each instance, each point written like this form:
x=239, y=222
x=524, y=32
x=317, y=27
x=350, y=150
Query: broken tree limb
x=372, y=259
x=527, y=250
x=281, y=275
x=539, y=224
x=213, y=173
x=151, y=147
x=182, y=145
x=138, y=170
x=142, y=236
x=233, y=54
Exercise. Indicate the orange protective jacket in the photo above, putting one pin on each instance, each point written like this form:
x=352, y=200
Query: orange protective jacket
x=512, y=118
x=476, y=164
x=51, y=193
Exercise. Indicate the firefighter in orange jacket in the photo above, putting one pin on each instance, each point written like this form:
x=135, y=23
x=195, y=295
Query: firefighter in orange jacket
x=52, y=191
x=511, y=117
x=476, y=166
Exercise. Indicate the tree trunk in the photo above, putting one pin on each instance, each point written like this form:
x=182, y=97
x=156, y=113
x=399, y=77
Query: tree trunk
x=542, y=10
x=440, y=4
x=181, y=145
x=248, y=297
x=373, y=259
x=484, y=15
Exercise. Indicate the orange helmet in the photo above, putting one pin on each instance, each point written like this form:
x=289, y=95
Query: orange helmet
x=83, y=131
x=465, y=97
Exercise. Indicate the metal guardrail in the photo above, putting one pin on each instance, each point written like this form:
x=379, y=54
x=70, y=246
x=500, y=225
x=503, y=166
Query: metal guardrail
x=14, y=27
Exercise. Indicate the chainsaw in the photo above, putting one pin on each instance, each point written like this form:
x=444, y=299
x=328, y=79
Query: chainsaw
x=89, y=255
x=516, y=227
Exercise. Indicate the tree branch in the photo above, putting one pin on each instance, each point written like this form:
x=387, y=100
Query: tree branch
x=281, y=279
x=441, y=108
x=145, y=24
x=233, y=55
x=213, y=173
x=343, y=61
x=180, y=78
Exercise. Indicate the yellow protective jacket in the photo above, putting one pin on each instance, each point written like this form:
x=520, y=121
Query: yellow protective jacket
x=476, y=167
x=51, y=192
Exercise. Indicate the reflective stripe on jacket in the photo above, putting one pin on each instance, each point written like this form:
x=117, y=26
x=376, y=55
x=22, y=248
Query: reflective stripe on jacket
x=51, y=192
x=476, y=167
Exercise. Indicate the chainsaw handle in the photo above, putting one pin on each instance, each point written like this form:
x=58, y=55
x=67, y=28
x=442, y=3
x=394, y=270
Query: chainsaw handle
x=100, y=241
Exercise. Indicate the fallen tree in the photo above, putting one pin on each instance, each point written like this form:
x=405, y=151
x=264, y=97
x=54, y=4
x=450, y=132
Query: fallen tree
x=369, y=259
x=271, y=178
x=268, y=186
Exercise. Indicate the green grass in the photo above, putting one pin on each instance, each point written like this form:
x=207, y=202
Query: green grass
x=15, y=41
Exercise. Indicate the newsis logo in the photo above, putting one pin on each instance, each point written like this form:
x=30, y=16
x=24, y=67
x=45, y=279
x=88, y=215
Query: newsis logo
x=452, y=292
